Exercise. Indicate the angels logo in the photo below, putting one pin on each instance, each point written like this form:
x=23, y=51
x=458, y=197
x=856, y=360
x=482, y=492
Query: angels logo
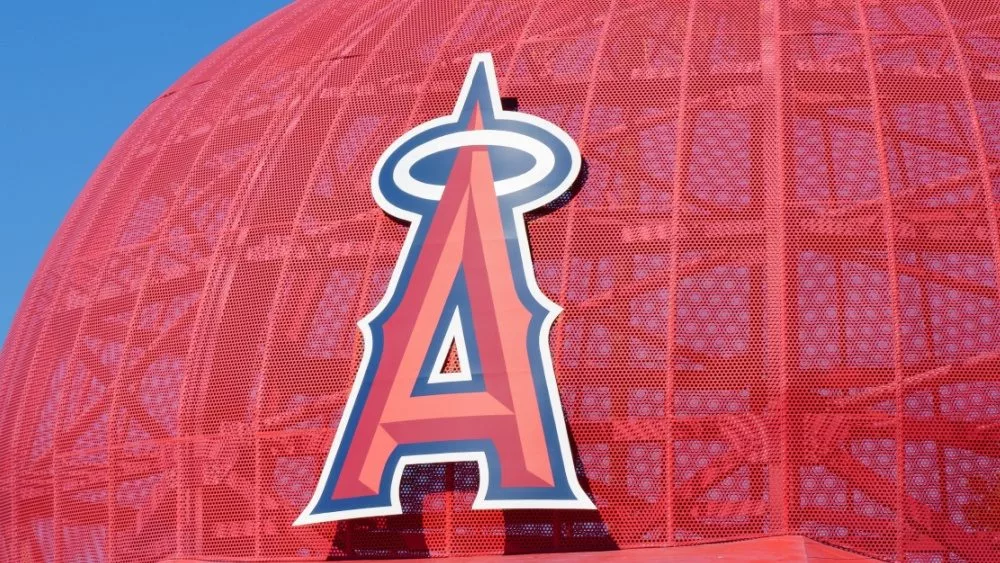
x=463, y=288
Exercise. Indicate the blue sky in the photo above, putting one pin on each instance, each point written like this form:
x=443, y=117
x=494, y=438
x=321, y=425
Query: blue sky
x=73, y=77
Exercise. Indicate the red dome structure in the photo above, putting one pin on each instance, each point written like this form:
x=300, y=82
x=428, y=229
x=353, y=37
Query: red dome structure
x=777, y=273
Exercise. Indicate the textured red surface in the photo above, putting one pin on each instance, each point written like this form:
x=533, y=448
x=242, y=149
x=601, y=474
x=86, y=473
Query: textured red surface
x=779, y=280
x=788, y=549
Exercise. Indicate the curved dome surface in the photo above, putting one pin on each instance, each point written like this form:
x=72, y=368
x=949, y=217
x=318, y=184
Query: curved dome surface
x=778, y=280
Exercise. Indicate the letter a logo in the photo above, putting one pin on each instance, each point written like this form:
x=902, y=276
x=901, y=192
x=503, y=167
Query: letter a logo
x=463, y=292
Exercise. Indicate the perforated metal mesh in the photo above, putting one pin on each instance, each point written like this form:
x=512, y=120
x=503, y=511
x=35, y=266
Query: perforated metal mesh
x=779, y=280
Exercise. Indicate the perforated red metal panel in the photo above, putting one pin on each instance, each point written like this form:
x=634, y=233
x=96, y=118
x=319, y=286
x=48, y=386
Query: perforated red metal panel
x=779, y=280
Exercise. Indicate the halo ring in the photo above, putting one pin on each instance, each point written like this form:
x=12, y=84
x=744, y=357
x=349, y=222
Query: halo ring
x=545, y=161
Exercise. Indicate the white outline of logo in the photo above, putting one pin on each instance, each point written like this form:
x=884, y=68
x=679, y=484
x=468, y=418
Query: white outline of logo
x=581, y=500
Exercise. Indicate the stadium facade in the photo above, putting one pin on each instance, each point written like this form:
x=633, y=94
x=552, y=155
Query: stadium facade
x=389, y=279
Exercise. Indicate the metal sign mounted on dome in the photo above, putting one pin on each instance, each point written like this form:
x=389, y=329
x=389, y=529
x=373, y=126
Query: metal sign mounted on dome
x=463, y=291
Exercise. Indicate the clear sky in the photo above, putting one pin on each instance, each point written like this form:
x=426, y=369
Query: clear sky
x=73, y=77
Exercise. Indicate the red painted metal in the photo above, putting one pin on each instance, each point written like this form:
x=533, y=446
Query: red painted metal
x=789, y=549
x=779, y=280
